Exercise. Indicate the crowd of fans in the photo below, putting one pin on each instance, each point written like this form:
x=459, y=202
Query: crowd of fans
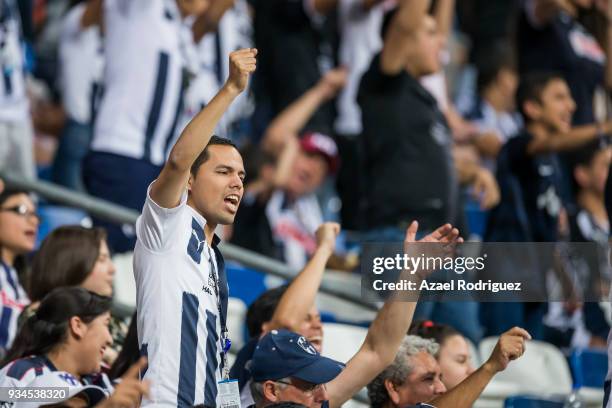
x=486, y=120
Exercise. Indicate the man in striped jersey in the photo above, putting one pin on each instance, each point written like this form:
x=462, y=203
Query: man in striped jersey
x=180, y=277
x=149, y=54
x=16, y=135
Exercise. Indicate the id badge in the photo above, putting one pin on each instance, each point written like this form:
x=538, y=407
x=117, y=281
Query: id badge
x=229, y=394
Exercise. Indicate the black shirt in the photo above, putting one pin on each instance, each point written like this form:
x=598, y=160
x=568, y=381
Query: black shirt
x=535, y=203
x=564, y=46
x=409, y=170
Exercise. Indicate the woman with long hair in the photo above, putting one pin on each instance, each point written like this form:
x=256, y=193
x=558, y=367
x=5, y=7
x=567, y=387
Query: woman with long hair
x=65, y=339
x=18, y=229
x=75, y=256
x=68, y=333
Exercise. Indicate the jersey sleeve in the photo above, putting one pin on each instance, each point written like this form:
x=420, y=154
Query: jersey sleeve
x=156, y=225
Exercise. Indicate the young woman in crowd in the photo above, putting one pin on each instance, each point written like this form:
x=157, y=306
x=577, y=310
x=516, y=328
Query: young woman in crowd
x=454, y=357
x=69, y=332
x=76, y=256
x=66, y=339
x=18, y=229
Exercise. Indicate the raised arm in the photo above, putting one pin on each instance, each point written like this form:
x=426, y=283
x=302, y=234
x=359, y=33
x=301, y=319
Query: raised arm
x=405, y=23
x=170, y=185
x=300, y=295
x=208, y=21
x=443, y=14
x=511, y=345
x=386, y=331
x=575, y=138
x=292, y=119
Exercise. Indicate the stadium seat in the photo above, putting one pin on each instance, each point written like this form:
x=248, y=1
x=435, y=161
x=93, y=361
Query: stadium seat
x=236, y=314
x=342, y=341
x=245, y=284
x=477, y=359
x=543, y=371
x=53, y=216
x=589, y=368
x=531, y=402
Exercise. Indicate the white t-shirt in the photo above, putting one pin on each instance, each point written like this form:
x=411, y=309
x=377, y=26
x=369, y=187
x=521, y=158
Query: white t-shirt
x=81, y=65
x=147, y=45
x=179, y=326
x=360, y=41
x=235, y=31
x=14, y=105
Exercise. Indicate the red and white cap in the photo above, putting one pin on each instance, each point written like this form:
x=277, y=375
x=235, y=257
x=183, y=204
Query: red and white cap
x=313, y=142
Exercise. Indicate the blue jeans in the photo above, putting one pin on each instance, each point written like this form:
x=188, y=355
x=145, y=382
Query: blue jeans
x=462, y=315
x=72, y=149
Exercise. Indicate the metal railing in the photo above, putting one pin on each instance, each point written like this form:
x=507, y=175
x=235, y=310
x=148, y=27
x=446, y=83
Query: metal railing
x=115, y=213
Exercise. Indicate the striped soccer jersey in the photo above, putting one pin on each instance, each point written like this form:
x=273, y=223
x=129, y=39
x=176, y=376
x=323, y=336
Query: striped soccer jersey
x=182, y=304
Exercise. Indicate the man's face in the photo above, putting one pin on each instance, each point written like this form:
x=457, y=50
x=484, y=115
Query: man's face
x=302, y=392
x=308, y=172
x=216, y=190
x=427, y=46
x=312, y=329
x=556, y=107
x=423, y=384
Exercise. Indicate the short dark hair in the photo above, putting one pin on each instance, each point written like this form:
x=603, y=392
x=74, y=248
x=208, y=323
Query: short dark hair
x=214, y=141
x=501, y=57
x=262, y=309
x=531, y=87
x=66, y=258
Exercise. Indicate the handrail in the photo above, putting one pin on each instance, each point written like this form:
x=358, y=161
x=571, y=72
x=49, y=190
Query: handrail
x=115, y=213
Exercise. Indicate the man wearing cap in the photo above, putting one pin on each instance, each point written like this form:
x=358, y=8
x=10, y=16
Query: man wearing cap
x=286, y=367
x=286, y=211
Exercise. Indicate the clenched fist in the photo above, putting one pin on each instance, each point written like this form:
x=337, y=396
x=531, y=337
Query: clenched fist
x=242, y=64
x=327, y=234
x=510, y=346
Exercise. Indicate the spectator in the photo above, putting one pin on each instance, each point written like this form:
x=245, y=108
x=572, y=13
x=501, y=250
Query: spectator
x=18, y=228
x=392, y=101
x=76, y=256
x=495, y=110
x=551, y=38
x=230, y=29
x=573, y=324
x=286, y=209
x=16, y=134
x=199, y=188
x=62, y=346
x=414, y=376
x=81, y=65
x=297, y=44
x=454, y=354
x=292, y=308
x=528, y=172
x=143, y=80
x=68, y=333
x=286, y=357
x=130, y=352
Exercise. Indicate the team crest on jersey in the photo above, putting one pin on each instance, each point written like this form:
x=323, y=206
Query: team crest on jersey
x=306, y=346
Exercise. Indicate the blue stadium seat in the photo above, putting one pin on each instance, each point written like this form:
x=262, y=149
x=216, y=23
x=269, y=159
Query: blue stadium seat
x=531, y=402
x=589, y=367
x=54, y=216
x=246, y=284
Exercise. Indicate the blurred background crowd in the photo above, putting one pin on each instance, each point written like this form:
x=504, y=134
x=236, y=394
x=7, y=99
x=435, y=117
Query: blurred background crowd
x=492, y=115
